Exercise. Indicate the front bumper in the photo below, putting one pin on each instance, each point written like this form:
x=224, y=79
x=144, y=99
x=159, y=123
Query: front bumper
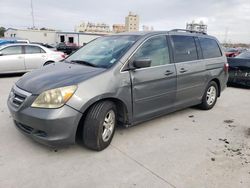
x=53, y=127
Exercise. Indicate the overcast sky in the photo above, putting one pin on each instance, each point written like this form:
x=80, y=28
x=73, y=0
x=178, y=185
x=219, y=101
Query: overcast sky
x=227, y=19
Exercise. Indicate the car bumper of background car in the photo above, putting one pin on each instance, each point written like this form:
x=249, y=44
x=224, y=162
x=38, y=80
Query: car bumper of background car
x=240, y=80
x=52, y=127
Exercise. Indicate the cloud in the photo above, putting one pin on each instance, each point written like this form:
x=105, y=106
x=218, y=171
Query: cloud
x=229, y=18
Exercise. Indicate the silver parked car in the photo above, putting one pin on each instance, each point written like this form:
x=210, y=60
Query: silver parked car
x=20, y=57
x=121, y=79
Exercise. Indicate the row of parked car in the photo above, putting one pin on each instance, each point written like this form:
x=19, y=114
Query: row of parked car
x=233, y=52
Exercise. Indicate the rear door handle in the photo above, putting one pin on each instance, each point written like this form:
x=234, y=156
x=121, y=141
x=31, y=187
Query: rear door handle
x=182, y=70
x=168, y=72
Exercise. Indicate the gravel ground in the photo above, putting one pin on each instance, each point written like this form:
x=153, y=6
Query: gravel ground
x=188, y=148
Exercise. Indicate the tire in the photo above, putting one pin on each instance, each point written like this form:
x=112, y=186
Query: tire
x=210, y=96
x=99, y=125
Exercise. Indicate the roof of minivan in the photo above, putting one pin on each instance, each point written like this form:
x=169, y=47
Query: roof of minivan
x=148, y=33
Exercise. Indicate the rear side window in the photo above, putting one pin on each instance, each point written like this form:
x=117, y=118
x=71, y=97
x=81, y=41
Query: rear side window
x=210, y=48
x=184, y=48
x=12, y=50
x=33, y=50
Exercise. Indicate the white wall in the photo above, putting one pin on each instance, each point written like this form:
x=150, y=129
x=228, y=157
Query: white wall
x=79, y=39
x=48, y=37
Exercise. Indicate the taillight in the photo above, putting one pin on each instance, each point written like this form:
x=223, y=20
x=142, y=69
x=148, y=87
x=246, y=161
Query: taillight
x=226, y=67
x=63, y=56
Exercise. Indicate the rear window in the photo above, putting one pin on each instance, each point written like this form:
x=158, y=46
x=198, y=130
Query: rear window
x=210, y=48
x=184, y=48
x=33, y=50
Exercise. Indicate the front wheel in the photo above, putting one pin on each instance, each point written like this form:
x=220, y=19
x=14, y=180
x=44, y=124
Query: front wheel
x=210, y=96
x=99, y=125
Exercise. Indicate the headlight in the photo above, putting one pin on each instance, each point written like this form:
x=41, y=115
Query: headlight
x=54, y=98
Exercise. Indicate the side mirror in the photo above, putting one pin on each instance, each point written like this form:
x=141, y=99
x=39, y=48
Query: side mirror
x=1, y=54
x=141, y=63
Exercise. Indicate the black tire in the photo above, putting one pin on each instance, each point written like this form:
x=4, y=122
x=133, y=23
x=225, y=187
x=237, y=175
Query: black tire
x=206, y=104
x=93, y=130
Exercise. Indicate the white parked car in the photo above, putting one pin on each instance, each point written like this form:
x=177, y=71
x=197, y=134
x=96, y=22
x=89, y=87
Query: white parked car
x=26, y=57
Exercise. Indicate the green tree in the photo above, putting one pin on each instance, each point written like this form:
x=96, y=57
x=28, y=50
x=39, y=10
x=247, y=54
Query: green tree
x=2, y=30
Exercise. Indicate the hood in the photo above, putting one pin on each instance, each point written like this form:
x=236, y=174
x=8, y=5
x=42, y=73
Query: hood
x=56, y=75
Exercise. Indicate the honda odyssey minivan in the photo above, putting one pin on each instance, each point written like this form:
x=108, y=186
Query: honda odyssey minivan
x=121, y=79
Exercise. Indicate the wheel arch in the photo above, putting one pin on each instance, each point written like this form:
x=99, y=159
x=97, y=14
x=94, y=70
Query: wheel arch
x=122, y=112
x=217, y=81
x=48, y=62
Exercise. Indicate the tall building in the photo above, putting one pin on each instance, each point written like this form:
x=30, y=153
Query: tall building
x=132, y=22
x=119, y=28
x=201, y=27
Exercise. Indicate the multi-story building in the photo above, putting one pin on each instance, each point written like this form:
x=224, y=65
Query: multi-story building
x=193, y=26
x=93, y=27
x=119, y=28
x=132, y=22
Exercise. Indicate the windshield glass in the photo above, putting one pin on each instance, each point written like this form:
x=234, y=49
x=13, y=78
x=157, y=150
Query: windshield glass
x=104, y=51
x=244, y=55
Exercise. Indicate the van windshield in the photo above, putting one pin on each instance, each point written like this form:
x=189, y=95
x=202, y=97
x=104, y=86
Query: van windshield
x=104, y=51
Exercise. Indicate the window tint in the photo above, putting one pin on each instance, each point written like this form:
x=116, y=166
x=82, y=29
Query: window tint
x=12, y=50
x=155, y=49
x=184, y=48
x=33, y=50
x=210, y=48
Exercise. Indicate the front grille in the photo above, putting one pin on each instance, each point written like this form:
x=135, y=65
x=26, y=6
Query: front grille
x=17, y=99
x=30, y=130
x=18, y=96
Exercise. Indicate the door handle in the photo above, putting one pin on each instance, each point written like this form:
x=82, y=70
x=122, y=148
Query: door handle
x=182, y=70
x=20, y=57
x=168, y=72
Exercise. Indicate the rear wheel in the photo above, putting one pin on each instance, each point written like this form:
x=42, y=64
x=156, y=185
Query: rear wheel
x=99, y=125
x=210, y=96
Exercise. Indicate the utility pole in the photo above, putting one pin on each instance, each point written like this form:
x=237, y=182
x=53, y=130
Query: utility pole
x=32, y=14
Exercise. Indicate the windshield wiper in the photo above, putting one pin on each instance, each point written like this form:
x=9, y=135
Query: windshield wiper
x=84, y=63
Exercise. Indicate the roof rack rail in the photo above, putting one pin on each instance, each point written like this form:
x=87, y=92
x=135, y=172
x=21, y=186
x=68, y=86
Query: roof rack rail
x=186, y=30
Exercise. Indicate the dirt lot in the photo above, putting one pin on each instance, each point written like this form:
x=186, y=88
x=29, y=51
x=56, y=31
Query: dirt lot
x=188, y=148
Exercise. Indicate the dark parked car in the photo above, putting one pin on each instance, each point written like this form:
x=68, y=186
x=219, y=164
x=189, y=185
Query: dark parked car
x=121, y=79
x=239, y=70
x=50, y=46
x=66, y=48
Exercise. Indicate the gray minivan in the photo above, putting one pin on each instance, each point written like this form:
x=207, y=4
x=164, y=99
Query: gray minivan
x=121, y=79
